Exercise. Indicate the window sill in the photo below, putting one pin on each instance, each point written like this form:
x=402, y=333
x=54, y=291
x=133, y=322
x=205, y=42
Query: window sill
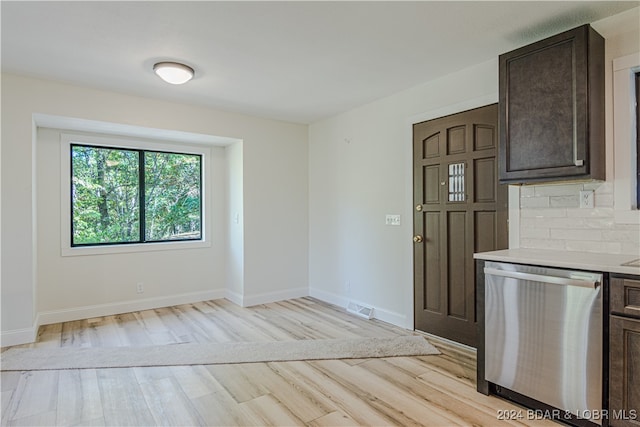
x=133, y=248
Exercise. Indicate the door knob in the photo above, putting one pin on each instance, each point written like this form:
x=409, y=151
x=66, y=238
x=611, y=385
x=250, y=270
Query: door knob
x=419, y=208
x=417, y=239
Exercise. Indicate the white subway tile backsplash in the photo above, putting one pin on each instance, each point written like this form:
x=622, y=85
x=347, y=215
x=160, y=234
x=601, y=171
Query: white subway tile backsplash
x=558, y=190
x=534, y=233
x=527, y=191
x=621, y=236
x=630, y=227
x=631, y=248
x=538, y=222
x=603, y=200
x=534, y=202
x=597, y=212
x=575, y=234
x=533, y=223
x=598, y=223
x=566, y=223
x=543, y=213
x=542, y=244
x=542, y=223
x=594, y=246
x=572, y=201
x=550, y=218
x=599, y=187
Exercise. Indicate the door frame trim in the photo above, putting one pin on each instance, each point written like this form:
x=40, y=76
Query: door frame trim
x=514, y=191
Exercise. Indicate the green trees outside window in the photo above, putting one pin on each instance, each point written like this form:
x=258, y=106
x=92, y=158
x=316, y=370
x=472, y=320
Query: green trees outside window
x=134, y=196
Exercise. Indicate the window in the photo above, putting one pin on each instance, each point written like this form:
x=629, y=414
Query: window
x=638, y=139
x=625, y=140
x=125, y=195
x=456, y=182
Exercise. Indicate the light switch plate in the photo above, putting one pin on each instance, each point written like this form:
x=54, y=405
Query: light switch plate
x=392, y=220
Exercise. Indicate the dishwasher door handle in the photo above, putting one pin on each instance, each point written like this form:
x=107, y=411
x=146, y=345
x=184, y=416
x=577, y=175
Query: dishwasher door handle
x=587, y=282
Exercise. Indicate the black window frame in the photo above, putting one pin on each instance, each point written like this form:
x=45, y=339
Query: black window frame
x=141, y=196
x=637, y=93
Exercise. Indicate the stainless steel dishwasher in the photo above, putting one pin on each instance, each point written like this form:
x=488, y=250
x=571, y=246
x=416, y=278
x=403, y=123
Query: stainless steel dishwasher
x=543, y=334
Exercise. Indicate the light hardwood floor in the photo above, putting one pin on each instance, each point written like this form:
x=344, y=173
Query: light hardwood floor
x=399, y=391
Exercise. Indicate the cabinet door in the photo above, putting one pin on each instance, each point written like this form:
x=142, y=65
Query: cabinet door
x=551, y=109
x=625, y=297
x=624, y=374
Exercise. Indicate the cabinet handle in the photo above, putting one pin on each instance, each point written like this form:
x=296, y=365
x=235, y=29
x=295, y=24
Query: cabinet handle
x=588, y=281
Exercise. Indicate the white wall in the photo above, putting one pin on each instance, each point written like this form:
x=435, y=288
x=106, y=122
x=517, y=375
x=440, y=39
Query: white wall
x=360, y=169
x=275, y=219
x=274, y=202
x=235, y=219
x=66, y=283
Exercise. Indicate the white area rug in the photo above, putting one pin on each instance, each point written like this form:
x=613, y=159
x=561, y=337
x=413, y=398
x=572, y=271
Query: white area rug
x=38, y=359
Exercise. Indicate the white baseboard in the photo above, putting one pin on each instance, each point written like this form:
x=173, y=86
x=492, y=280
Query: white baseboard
x=385, y=315
x=87, y=312
x=329, y=297
x=234, y=297
x=19, y=336
x=267, y=297
x=392, y=317
x=29, y=335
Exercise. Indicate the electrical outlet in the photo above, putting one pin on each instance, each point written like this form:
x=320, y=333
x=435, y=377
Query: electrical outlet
x=586, y=199
x=140, y=287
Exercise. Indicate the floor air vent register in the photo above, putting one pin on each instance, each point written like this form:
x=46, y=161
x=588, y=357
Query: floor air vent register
x=360, y=310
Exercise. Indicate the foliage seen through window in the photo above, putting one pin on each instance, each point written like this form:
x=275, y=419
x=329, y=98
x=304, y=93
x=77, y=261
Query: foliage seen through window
x=134, y=196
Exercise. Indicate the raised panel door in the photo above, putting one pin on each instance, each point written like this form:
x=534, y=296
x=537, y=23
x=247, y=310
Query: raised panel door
x=460, y=209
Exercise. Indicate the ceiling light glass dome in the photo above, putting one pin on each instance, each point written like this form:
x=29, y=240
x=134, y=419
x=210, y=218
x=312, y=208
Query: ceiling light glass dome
x=173, y=72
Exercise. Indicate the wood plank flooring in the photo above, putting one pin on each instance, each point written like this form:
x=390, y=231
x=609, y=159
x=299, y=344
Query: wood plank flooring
x=399, y=391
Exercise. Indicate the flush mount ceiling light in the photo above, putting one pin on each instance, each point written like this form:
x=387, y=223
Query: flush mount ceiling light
x=173, y=72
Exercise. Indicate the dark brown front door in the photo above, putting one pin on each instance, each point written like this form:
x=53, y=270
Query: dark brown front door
x=459, y=209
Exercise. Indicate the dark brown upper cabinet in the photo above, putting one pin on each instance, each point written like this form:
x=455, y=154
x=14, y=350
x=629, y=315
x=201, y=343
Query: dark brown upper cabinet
x=552, y=109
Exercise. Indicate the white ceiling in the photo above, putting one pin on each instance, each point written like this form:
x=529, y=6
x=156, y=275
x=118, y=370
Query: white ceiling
x=296, y=61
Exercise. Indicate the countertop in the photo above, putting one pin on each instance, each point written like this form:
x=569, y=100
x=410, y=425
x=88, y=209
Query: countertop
x=612, y=263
